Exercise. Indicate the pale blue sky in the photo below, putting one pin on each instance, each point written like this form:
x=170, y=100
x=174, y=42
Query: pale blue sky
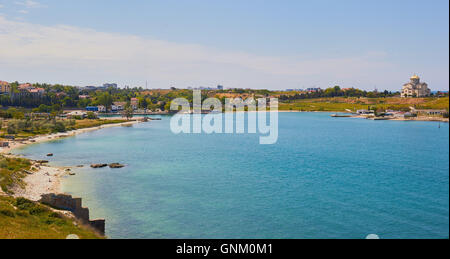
x=284, y=43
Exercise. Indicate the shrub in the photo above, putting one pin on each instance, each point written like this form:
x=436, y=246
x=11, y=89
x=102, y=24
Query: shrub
x=22, y=214
x=59, y=127
x=12, y=128
x=24, y=204
x=91, y=116
x=8, y=213
x=37, y=209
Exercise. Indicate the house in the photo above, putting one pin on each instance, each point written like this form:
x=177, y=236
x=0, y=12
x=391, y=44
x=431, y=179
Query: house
x=37, y=91
x=364, y=112
x=5, y=88
x=134, y=103
x=409, y=115
x=28, y=88
x=313, y=89
x=118, y=106
x=101, y=108
x=76, y=113
x=4, y=144
x=429, y=112
x=83, y=96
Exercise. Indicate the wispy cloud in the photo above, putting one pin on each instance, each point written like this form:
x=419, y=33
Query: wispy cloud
x=29, y=4
x=81, y=56
x=23, y=11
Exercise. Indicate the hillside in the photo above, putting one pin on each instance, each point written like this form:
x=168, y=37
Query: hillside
x=354, y=103
x=23, y=219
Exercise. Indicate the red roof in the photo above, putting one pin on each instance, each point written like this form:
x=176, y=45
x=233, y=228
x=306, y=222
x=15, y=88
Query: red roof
x=4, y=83
x=25, y=86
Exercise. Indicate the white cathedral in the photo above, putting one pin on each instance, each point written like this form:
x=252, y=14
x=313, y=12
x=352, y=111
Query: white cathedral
x=415, y=88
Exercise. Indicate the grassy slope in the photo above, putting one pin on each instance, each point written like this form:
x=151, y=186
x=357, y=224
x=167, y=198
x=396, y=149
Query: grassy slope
x=11, y=172
x=23, y=219
x=341, y=104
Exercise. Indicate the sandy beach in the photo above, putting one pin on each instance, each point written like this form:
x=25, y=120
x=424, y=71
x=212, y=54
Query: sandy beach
x=49, y=137
x=47, y=179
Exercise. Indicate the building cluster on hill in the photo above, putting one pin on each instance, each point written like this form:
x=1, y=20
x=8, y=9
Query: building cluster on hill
x=27, y=88
x=115, y=106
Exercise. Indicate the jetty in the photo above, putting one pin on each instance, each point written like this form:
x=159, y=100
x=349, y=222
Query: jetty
x=341, y=115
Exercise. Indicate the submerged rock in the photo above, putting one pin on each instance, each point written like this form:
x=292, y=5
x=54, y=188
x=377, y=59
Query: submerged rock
x=98, y=165
x=116, y=165
x=42, y=161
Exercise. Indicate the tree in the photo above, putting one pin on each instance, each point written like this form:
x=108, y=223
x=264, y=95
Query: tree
x=128, y=112
x=105, y=99
x=43, y=108
x=143, y=103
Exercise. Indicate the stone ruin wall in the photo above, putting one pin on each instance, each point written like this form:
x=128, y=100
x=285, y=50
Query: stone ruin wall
x=74, y=205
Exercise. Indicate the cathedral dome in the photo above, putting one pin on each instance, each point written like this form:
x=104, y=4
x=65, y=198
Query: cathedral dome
x=415, y=77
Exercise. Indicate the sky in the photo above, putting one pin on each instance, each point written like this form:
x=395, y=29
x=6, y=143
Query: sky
x=277, y=44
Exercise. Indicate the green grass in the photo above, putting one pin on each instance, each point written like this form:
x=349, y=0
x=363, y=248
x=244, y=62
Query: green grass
x=23, y=219
x=11, y=172
x=81, y=124
x=353, y=104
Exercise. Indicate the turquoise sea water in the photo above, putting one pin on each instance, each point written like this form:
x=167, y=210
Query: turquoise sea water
x=325, y=178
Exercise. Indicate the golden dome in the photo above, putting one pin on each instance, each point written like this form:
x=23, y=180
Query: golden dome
x=415, y=77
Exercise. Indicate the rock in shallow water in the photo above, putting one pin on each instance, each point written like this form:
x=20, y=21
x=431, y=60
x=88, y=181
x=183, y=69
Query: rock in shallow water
x=116, y=165
x=98, y=165
x=42, y=161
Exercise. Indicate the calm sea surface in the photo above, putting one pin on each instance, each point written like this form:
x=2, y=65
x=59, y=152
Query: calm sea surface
x=325, y=178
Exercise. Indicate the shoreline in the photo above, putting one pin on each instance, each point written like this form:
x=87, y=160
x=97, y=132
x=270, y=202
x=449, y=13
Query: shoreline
x=47, y=179
x=422, y=118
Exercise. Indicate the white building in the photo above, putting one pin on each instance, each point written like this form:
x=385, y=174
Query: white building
x=101, y=108
x=415, y=88
x=118, y=106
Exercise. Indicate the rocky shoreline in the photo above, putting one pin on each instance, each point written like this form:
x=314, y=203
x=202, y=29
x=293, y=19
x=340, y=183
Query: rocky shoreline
x=45, y=180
